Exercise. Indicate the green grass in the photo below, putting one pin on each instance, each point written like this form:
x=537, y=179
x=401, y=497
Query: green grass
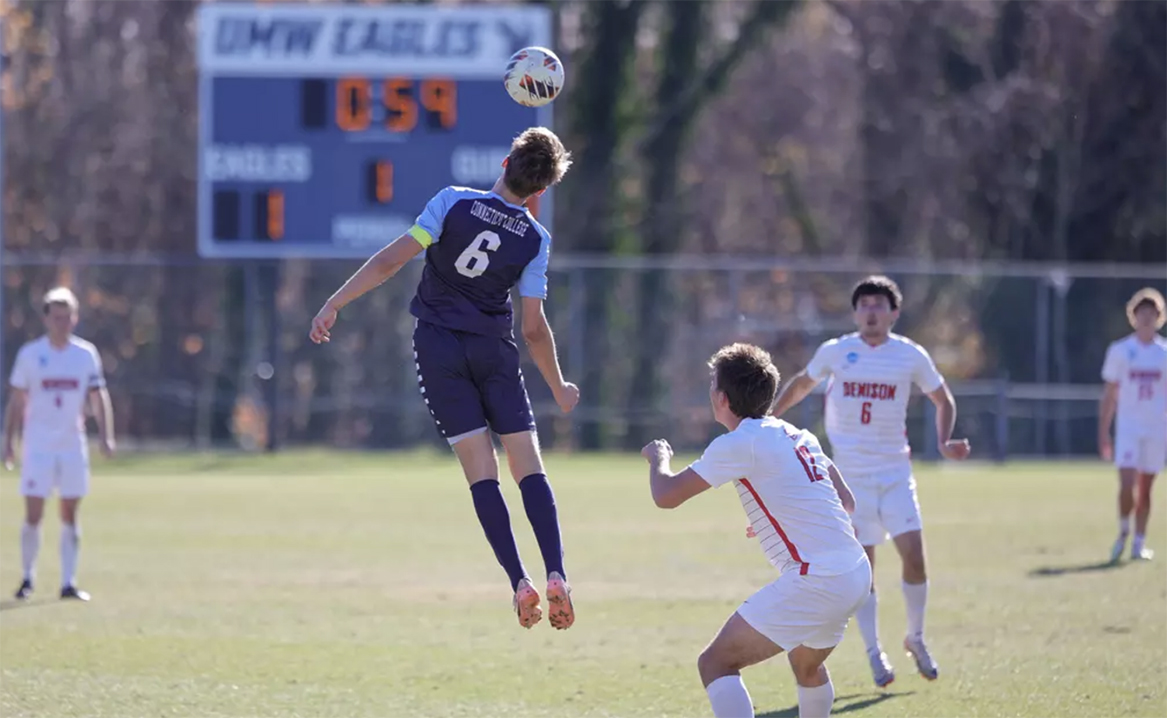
x=316, y=584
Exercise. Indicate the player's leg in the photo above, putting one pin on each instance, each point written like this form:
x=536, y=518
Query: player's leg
x=453, y=401
x=36, y=481
x=73, y=478
x=736, y=646
x=816, y=693
x=70, y=548
x=1142, y=516
x=526, y=467
x=831, y=600
x=1127, y=479
x=30, y=543
x=1152, y=455
x=870, y=532
x=900, y=509
x=1126, y=460
x=496, y=366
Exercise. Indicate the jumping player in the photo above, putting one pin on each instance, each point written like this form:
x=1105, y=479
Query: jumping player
x=872, y=372
x=479, y=246
x=1135, y=399
x=797, y=504
x=51, y=381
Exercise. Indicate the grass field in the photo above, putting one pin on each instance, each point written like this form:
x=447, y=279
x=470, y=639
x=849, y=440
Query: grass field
x=312, y=584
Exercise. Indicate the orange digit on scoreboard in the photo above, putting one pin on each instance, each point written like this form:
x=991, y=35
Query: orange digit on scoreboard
x=384, y=181
x=440, y=97
x=353, y=99
x=401, y=105
x=275, y=215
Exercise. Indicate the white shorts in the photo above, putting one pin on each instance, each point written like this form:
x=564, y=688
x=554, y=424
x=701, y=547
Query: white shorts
x=1145, y=454
x=809, y=610
x=885, y=505
x=66, y=471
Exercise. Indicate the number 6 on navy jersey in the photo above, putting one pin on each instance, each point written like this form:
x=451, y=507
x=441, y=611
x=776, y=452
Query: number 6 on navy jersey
x=474, y=260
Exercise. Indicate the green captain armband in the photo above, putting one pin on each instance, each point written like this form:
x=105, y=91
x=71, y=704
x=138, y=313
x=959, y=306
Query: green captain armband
x=423, y=237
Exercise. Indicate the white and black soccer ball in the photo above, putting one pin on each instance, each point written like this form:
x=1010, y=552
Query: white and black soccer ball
x=534, y=76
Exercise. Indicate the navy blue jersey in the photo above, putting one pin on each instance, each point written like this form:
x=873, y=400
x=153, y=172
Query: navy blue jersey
x=478, y=248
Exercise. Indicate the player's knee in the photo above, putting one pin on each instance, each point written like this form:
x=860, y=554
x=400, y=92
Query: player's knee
x=809, y=674
x=711, y=665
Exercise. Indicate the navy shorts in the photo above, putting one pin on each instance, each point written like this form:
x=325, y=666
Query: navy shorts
x=470, y=382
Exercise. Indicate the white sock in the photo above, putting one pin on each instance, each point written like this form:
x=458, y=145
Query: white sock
x=70, y=547
x=1124, y=525
x=916, y=598
x=869, y=623
x=30, y=546
x=729, y=698
x=816, y=702
x=1137, y=543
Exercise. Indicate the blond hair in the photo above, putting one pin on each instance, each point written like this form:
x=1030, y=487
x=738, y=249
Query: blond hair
x=60, y=296
x=1143, y=297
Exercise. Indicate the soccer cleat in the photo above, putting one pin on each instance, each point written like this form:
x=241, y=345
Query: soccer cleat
x=562, y=612
x=881, y=669
x=919, y=653
x=1116, y=551
x=1142, y=554
x=24, y=591
x=526, y=604
x=73, y=593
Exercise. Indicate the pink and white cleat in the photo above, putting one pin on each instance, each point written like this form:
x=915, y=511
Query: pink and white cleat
x=881, y=671
x=562, y=612
x=526, y=604
x=927, y=667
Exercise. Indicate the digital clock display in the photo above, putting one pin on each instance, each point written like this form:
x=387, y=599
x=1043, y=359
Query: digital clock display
x=325, y=129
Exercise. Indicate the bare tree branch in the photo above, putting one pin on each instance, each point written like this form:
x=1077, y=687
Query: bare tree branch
x=763, y=15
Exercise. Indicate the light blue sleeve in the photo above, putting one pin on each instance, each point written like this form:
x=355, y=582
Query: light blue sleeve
x=428, y=227
x=533, y=281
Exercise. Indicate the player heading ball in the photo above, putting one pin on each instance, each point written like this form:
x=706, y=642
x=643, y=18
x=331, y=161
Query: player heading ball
x=478, y=247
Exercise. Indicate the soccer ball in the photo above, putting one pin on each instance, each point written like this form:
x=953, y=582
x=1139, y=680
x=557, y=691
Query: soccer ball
x=534, y=76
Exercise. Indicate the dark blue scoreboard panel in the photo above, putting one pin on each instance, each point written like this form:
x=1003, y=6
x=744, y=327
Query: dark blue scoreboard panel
x=324, y=130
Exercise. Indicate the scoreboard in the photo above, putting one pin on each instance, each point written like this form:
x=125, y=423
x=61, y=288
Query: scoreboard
x=324, y=129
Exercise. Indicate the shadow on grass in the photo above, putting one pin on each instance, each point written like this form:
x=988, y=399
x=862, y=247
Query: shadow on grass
x=12, y=603
x=1082, y=568
x=857, y=705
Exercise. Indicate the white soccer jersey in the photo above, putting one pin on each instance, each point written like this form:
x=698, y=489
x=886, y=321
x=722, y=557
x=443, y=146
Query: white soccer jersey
x=58, y=382
x=867, y=398
x=781, y=477
x=1140, y=370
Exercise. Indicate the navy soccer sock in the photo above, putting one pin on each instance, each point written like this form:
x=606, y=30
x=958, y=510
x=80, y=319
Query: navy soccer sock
x=539, y=502
x=496, y=524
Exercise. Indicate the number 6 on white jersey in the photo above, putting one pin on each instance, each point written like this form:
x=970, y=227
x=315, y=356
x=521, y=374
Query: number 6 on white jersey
x=474, y=260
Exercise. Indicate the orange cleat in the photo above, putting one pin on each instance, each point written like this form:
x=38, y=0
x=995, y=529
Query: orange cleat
x=562, y=614
x=526, y=604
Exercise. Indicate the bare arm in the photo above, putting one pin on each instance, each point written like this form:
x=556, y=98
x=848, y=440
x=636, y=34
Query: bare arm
x=795, y=391
x=842, y=489
x=13, y=419
x=380, y=267
x=1108, y=406
x=541, y=343
x=669, y=490
x=102, y=409
x=945, y=424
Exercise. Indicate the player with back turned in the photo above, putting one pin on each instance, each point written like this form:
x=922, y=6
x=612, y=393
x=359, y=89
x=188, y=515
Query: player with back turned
x=478, y=247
